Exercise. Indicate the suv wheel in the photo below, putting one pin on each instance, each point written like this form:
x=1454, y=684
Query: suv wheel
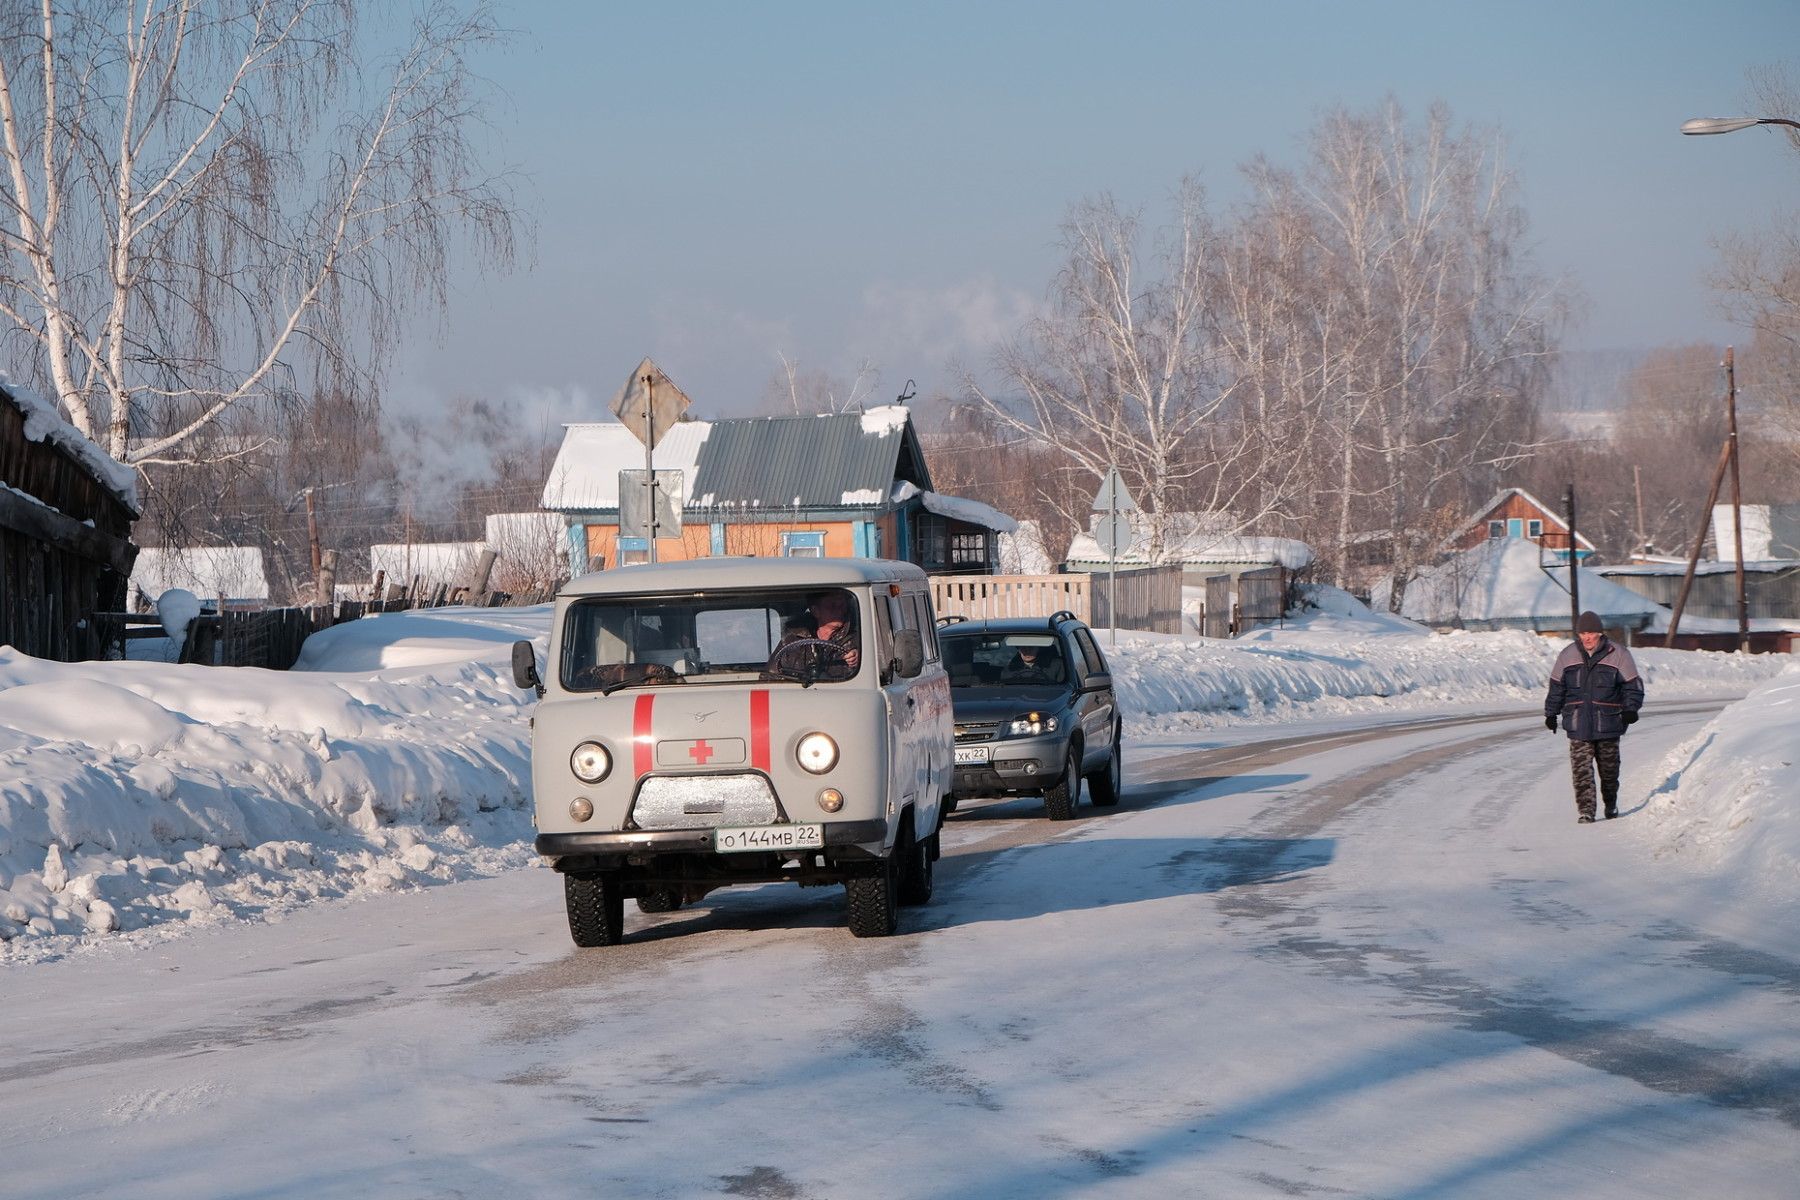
x=596, y=909
x=1065, y=793
x=660, y=900
x=1105, y=784
x=872, y=899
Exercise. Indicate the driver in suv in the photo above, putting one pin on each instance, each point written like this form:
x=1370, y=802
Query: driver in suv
x=1034, y=709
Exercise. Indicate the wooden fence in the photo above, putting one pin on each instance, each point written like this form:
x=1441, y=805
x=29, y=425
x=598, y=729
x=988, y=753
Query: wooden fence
x=1146, y=598
x=979, y=597
x=1250, y=600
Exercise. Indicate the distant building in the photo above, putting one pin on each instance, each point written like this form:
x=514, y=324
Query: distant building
x=1516, y=513
x=1200, y=544
x=231, y=574
x=1515, y=583
x=1771, y=531
x=836, y=485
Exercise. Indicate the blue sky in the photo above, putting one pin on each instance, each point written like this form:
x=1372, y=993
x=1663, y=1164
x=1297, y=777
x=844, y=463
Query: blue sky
x=715, y=183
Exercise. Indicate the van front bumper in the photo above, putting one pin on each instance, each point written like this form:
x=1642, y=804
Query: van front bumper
x=623, y=843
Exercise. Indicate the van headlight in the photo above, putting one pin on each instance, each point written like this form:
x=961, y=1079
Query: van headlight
x=590, y=762
x=817, y=753
x=1031, y=725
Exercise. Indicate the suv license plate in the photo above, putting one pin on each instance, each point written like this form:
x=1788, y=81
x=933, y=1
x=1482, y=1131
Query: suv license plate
x=769, y=837
x=971, y=754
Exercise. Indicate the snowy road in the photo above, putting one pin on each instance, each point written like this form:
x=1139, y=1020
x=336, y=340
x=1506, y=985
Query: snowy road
x=1368, y=961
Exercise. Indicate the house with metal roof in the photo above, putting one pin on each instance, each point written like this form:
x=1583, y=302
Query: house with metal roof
x=837, y=485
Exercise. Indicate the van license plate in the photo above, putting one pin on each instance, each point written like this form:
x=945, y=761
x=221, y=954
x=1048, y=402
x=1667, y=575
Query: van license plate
x=769, y=837
x=971, y=754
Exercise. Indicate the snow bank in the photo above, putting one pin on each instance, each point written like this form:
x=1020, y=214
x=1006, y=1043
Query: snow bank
x=146, y=798
x=1341, y=652
x=143, y=796
x=1726, y=800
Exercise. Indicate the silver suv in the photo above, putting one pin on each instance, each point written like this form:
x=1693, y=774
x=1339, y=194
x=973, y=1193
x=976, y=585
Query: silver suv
x=1034, y=709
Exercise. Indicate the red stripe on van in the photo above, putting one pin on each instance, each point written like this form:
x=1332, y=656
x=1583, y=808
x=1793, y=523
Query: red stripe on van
x=759, y=729
x=643, y=748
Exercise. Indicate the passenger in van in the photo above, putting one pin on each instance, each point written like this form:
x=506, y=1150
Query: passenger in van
x=827, y=619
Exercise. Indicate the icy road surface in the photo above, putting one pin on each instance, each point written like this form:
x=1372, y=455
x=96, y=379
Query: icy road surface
x=1316, y=959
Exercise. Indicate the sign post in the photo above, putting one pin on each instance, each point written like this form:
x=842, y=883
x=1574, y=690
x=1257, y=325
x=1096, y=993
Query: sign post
x=1112, y=530
x=648, y=405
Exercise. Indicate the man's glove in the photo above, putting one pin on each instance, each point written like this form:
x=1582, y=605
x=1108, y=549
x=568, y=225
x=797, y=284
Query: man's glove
x=1550, y=724
x=1629, y=717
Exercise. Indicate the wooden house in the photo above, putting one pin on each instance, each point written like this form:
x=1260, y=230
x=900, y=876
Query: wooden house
x=65, y=532
x=833, y=486
x=1516, y=513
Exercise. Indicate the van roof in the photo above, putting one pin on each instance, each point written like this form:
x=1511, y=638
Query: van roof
x=774, y=572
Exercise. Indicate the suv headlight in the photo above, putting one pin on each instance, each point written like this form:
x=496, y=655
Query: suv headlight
x=1031, y=725
x=590, y=762
x=817, y=753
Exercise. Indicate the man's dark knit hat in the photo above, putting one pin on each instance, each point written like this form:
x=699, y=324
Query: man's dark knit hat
x=1589, y=622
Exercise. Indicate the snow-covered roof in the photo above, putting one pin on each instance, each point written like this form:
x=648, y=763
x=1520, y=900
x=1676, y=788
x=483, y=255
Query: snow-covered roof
x=44, y=423
x=1202, y=548
x=1503, y=582
x=1767, y=566
x=432, y=562
x=957, y=507
x=233, y=572
x=1551, y=520
x=585, y=475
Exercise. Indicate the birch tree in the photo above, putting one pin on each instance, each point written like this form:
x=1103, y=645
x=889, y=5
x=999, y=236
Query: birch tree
x=1122, y=370
x=1453, y=328
x=206, y=205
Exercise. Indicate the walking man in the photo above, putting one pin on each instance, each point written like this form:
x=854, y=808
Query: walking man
x=1596, y=691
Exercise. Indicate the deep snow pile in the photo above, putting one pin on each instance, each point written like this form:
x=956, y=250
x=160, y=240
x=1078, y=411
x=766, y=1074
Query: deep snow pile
x=146, y=796
x=138, y=794
x=1727, y=800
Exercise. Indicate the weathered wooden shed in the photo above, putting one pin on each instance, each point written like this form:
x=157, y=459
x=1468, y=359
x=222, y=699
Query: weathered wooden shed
x=65, y=532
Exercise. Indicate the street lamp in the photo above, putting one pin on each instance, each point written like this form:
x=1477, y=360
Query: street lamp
x=1700, y=125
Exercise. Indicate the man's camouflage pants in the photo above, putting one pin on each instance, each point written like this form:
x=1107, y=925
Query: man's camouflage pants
x=1584, y=757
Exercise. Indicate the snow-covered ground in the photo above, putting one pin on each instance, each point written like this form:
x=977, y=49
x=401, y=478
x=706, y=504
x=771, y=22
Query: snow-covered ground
x=141, y=799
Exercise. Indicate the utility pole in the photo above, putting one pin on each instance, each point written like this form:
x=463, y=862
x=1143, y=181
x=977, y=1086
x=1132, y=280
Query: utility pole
x=1574, y=580
x=1637, y=485
x=1737, y=498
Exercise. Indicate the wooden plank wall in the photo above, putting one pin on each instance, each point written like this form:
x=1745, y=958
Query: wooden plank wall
x=56, y=570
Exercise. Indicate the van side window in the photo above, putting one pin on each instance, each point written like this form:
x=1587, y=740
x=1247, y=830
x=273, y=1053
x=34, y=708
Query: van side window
x=918, y=616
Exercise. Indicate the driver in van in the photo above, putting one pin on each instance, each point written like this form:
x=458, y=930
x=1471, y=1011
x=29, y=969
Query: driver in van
x=827, y=619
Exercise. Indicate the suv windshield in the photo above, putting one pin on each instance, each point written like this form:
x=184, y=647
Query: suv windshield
x=1005, y=660
x=808, y=636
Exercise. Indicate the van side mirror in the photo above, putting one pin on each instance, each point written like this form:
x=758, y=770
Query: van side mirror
x=909, y=653
x=524, y=664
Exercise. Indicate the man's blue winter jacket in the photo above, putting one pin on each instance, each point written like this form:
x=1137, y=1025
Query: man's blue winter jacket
x=1592, y=692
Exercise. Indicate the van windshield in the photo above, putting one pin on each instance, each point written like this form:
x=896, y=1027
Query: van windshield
x=811, y=636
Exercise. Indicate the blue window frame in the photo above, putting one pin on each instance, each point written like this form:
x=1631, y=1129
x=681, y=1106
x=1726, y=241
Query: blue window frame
x=803, y=544
x=1515, y=527
x=634, y=550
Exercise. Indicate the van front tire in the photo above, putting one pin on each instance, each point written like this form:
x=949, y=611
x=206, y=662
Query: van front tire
x=596, y=907
x=873, y=900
